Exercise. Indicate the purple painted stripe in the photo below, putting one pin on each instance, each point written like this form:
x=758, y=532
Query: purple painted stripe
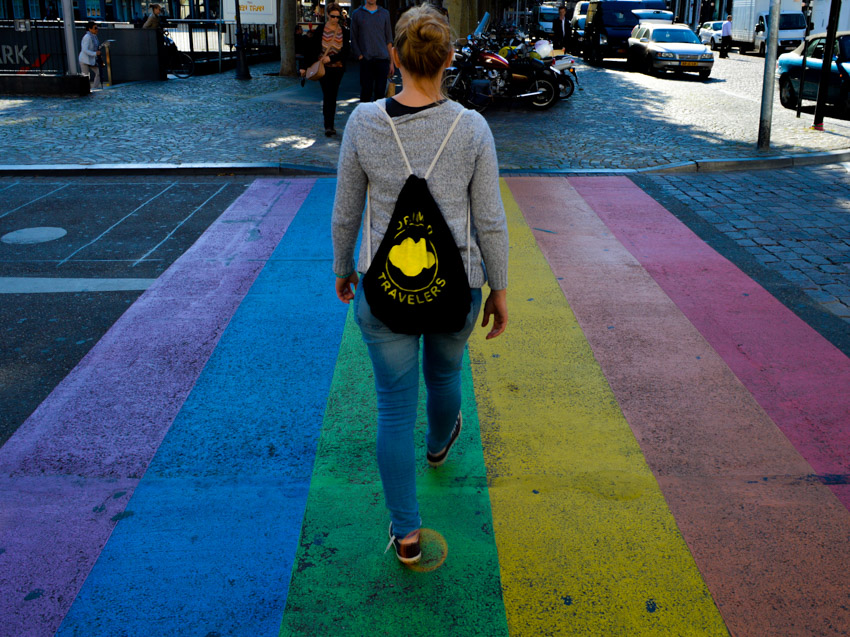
x=798, y=377
x=70, y=469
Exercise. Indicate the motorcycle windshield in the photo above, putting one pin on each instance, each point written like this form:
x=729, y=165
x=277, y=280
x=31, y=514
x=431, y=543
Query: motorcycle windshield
x=482, y=26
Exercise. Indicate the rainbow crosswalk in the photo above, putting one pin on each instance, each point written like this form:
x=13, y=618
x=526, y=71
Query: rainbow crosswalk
x=654, y=447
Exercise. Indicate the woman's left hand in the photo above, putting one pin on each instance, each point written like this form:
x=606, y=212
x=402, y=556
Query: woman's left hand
x=326, y=60
x=344, y=291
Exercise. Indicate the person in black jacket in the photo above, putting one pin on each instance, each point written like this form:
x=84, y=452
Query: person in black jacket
x=331, y=45
x=302, y=46
x=562, y=31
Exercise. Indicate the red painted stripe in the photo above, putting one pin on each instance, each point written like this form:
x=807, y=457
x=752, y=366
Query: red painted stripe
x=798, y=377
x=769, y=540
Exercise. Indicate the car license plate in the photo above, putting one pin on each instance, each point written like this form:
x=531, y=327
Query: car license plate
x=689, y=64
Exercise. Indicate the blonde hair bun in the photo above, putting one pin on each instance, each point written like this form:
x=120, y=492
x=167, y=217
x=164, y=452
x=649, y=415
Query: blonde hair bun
x=423, y=40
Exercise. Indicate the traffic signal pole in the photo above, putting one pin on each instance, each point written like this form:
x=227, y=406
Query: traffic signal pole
x=826, y=67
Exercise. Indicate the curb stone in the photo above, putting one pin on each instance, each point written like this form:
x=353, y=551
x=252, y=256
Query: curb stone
x=285, y=169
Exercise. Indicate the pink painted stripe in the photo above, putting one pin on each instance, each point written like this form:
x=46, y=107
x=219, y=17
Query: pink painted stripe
x=68, y=472
x=769, y=540
x=800, y=379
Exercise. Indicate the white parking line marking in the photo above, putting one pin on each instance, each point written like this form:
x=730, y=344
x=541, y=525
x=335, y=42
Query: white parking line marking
x=177, y=227
x=102, y=234
x=739, y=96
x=19, y=261
x=8, y=212
x=38, y=285
x=9, y=186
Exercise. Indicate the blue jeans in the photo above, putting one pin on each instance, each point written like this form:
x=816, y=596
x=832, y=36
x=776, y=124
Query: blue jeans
x=395, y=361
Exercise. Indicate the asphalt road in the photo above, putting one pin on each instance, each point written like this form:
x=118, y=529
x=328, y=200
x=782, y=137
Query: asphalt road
x=59, y=296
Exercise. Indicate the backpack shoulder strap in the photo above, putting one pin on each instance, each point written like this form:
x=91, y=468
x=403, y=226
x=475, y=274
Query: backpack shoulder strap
x=368, y=226
x=382, y=107
x=443, y=145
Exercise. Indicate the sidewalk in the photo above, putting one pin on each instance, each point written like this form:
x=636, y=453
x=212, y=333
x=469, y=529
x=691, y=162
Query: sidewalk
x=614, y=122
x=655, y=446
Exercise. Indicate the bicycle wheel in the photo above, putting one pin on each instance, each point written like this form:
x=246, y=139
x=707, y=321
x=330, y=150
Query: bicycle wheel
x=183, y=65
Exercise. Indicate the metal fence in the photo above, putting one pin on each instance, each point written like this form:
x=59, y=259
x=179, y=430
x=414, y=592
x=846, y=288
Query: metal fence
x=200, y=37
x=32, y=47
x=38, y=46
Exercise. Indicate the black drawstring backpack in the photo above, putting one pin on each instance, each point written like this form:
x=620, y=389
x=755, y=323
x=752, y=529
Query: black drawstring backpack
x=416, y=282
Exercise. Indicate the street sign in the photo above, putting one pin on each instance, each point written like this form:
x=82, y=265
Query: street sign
x=252, y=11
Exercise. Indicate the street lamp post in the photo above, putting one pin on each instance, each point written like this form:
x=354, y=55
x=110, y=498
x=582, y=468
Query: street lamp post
x=70, y=36
x=242, y=71
x=772, y=41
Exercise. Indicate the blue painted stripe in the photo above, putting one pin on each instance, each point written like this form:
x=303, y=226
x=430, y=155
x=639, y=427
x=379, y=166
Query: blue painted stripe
x=209, y=537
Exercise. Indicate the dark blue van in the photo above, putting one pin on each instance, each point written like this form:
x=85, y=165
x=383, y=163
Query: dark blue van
x=609, y=24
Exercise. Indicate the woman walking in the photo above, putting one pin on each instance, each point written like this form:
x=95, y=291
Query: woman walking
x=419, y=133
x=332, y=48
x=89, y=53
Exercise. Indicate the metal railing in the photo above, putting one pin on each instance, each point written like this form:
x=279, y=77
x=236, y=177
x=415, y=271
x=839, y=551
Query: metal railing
x=32, y=47
x=40, y=47
x=216, y=39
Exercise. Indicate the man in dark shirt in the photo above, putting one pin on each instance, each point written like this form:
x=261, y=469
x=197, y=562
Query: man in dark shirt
x=371, y=41
x=561, y=29
x=726, y=37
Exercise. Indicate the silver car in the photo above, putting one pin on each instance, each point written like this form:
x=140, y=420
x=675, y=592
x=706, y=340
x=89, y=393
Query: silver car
x=659, y=47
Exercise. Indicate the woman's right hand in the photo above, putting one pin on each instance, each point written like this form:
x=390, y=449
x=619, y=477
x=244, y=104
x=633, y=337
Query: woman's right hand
x=344, y=291
x=497, y=306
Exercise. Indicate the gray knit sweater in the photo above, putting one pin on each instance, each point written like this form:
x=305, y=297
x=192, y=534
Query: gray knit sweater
x=466, y=173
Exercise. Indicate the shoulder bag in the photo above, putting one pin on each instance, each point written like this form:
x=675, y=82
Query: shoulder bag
x=316, y=71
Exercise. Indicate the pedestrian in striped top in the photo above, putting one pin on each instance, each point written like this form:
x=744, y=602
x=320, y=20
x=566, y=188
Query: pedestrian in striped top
x=332, y=48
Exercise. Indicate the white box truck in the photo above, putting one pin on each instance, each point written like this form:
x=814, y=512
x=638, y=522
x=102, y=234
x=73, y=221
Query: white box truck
x=820, y=16
x=751, y=25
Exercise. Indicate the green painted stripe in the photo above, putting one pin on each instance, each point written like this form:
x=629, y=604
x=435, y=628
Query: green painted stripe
x=342, y=582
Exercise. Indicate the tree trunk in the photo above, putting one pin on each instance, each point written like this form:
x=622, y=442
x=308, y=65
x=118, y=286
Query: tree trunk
x=286, y=32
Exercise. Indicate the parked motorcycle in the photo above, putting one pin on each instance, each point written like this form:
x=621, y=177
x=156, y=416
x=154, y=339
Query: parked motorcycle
x=520, y=46
x=566, y=65
x=479, y=76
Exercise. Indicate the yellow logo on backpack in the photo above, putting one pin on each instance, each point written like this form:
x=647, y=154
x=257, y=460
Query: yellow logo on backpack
x=411, y=257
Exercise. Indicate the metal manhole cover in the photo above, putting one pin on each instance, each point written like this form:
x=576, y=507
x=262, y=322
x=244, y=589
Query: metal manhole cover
x=33, y=235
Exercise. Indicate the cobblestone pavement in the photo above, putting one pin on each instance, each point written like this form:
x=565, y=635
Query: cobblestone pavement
x=631, y=120
x=619, y=120
x=788, y=229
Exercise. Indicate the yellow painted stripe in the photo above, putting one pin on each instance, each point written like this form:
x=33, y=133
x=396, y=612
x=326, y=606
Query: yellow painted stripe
x=586, y=542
